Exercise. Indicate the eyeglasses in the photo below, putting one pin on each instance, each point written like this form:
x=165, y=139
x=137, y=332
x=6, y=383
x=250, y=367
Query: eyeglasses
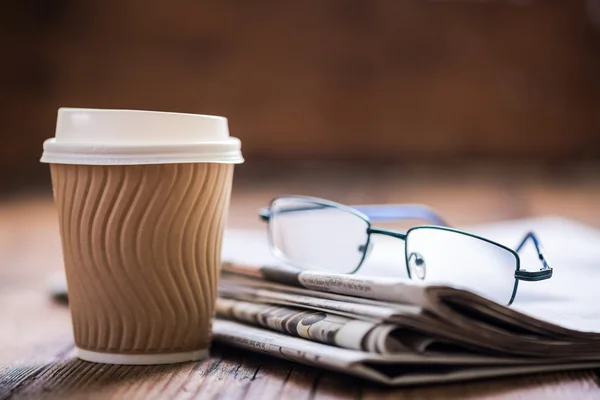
x=312, y=233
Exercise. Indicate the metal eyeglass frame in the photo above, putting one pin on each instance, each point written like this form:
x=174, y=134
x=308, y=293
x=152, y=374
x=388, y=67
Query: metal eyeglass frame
x=396, y=212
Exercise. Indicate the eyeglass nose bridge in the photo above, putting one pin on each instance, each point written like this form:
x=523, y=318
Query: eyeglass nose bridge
x=386, y=232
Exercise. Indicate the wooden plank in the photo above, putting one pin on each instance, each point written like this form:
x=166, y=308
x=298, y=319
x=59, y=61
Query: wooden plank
x=300, y=384
x=12, y=378
x=225, y=377
x=35, y=332
x=331, y=386
x=29, y=314
x=73, y=378
x=270, y=380
x=227, y=374
x=233, y=377
x=572, y=385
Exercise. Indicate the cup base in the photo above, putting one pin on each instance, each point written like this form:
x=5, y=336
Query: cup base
x=140, y=359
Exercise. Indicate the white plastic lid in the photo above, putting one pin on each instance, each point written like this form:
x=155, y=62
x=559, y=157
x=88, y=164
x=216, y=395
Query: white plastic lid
x=127, y=137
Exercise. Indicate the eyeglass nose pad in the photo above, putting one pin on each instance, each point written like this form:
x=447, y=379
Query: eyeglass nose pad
x=417, y=265
x=366, y=248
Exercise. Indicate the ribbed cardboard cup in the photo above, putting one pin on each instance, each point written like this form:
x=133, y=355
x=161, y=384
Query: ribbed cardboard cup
x=142, y=200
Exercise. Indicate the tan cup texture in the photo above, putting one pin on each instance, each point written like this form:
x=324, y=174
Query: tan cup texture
x=142, y=253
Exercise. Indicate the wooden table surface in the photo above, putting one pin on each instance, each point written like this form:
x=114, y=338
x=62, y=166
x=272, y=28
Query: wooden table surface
x=36, y=342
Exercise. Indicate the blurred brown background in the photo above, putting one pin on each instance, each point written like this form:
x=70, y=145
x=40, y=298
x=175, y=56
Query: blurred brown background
x=486, y=110
x=407, y=81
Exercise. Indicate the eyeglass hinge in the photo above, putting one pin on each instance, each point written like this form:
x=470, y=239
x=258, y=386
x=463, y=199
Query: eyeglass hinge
x=265, y=214
x=533, y=276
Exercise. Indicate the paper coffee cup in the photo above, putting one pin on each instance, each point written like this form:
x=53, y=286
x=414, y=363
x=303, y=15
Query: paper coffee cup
x=142, y=199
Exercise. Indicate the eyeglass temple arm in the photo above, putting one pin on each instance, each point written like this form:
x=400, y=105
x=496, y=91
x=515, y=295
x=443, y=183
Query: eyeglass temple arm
x=394, y=212
x=545, y=272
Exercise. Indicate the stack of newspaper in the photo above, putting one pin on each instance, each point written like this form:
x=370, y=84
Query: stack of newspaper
x=388, y=330
x=400, y=332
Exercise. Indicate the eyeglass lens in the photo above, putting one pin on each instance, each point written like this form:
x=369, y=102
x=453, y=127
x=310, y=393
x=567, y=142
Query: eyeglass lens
x=317, y=236
x=448, y=257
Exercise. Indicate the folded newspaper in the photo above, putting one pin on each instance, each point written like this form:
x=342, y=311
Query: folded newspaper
x=401, y=332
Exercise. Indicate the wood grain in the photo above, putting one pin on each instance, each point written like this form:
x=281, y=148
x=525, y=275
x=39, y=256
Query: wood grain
x=36, y=342
x=576, y=385
x=232, y=374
